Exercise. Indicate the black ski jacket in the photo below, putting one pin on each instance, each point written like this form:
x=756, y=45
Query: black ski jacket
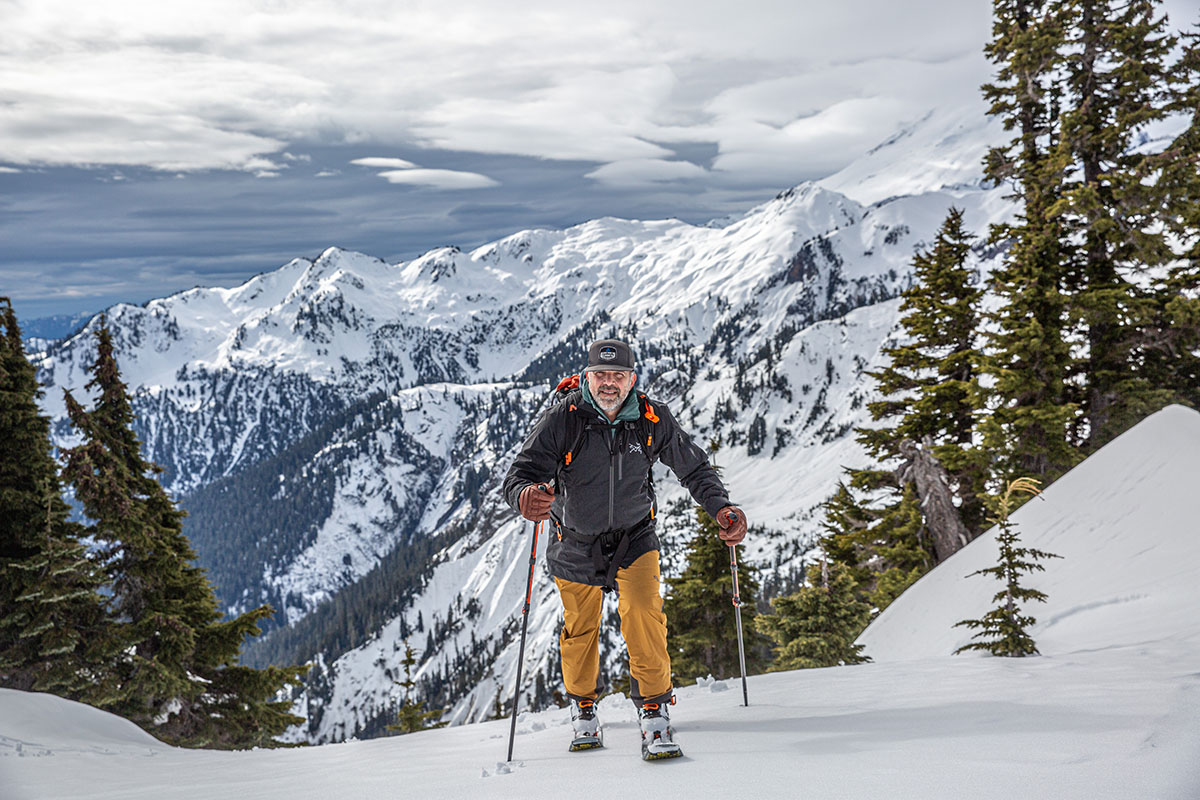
x=605, y=490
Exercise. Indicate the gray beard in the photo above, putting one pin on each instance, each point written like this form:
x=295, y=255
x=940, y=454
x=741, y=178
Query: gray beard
x=612, y=406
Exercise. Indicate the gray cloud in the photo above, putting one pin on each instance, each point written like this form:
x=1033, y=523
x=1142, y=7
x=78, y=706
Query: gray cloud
x=234, y=86
x=147, y=147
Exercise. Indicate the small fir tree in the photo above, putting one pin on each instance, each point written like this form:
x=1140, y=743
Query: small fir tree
x=412, y=716
x=702, y=629
x=817, y=626
x=1003, y=631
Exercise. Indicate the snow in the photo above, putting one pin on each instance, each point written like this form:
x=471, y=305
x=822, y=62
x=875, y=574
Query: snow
x=949, y=142
x=1108, y=711
x=1124, y=522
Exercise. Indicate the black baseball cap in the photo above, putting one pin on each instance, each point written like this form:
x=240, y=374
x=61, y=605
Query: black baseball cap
x=609, y=354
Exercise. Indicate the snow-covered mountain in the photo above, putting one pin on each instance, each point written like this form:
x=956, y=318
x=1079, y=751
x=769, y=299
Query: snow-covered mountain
x=1107, y=711
x=338, y=428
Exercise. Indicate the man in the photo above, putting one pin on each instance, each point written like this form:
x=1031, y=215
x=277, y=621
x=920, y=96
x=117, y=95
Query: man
x=586, y=467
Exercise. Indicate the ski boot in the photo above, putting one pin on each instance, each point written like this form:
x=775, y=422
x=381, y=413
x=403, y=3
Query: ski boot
x=658, y=738
x=586, y=725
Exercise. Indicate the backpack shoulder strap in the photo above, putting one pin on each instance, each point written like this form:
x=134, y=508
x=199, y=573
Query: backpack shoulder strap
x=646, y=425
x=575, y=429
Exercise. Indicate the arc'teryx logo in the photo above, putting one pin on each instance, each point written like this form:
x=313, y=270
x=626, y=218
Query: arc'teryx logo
x=635, y=447
x=608, y=353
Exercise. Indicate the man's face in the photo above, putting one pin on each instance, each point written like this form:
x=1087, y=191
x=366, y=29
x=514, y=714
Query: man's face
x=610, y=387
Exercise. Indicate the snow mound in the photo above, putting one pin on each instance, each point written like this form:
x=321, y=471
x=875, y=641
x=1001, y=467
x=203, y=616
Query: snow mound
x=34, y=724
x=1124, y=522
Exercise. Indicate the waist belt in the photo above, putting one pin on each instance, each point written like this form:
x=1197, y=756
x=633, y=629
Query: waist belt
x=608, y=549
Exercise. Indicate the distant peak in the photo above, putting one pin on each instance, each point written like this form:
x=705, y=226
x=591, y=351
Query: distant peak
x=330, y=252
x=439, y=263
x=822, y=207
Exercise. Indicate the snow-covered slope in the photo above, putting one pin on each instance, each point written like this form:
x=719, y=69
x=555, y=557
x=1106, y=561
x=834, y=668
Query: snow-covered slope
x=949, y=142
x=1127, y=525
x=1107, y=712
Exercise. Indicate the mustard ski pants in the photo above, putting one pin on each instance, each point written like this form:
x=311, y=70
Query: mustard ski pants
x=643, y=626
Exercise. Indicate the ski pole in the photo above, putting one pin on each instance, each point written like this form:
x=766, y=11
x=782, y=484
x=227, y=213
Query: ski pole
x=512, y=731
x=737, y=610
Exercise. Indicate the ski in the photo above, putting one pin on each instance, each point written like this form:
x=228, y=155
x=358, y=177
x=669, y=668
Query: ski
x=588, y=734
x=658, y=737
x=587, y=742
x=660, y=748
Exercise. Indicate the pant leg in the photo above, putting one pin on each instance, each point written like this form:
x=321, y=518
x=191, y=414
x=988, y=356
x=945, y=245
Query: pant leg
x=579, y=639
x=644, y=626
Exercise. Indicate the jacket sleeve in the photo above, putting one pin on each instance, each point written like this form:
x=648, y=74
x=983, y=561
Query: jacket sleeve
x=537, y=460
x=689, y=463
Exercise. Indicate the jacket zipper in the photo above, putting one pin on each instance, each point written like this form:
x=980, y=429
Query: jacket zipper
x=621, y=455
x=612, y=440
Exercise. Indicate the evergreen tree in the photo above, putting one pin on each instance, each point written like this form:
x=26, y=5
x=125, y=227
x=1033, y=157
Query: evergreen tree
x=179, y=678
x=1086, y=341
x=904, y=554
x=884, y=550
x=1116, y=83
x=702, y=629
x=817, y=626
x=1169, y=352
x=54, y=636
x=1031, y=415
x=1003, y=631
x=930, y=385
x=876, y=525
x=847, y=539
x=412, y=716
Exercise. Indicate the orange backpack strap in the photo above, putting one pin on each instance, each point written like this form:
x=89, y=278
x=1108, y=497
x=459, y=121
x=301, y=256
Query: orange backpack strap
x=650, y=416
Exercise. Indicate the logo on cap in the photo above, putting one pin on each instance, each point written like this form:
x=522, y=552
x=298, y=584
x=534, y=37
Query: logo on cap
x=608, y=353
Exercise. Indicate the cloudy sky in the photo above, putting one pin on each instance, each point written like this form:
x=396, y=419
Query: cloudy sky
x=146, y=147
